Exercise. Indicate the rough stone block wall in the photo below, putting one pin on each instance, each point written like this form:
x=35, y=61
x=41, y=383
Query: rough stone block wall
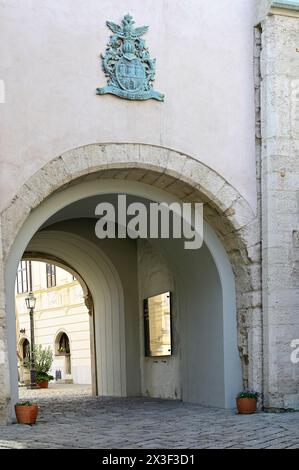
x=280, y=207
x=4, y=367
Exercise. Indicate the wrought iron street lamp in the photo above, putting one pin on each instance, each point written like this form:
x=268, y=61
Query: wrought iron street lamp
x=30, y=304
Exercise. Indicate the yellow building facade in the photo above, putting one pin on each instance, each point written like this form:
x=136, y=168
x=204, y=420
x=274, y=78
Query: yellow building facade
x=61, y=321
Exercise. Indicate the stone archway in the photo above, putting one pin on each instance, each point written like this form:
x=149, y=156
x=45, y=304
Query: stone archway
x=102, y=291
x=226, y=211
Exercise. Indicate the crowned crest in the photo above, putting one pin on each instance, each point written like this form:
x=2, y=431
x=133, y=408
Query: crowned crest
x=129, y=69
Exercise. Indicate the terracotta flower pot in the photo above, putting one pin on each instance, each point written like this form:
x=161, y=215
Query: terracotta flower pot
x=43, y=384
x=246, y=406
x=26, y=414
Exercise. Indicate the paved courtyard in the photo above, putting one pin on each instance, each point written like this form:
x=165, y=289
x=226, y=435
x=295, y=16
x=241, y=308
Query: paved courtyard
x=70, y=418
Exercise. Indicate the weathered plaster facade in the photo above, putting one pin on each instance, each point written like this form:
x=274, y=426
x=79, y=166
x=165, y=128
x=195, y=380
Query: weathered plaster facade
x=59, y=309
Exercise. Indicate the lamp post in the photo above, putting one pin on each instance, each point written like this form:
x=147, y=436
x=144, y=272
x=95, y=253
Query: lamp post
x=30, y=304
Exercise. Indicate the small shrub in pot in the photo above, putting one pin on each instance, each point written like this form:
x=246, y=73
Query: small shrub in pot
x=247, y=401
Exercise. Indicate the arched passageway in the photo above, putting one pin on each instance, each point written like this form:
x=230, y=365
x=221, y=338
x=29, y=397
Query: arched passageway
x=102, y=293
x=206, y=365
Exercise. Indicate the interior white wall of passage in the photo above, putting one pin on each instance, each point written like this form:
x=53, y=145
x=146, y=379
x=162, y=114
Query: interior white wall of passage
x=197, y=271
x=205, y=296
x=59, y=200
x=160, y=376
x=51, y=68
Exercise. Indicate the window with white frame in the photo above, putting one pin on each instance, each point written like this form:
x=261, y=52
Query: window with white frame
x=24, y=277
x=51, y=275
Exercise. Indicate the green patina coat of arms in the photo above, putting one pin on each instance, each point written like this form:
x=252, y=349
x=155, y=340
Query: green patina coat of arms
x=127, y=63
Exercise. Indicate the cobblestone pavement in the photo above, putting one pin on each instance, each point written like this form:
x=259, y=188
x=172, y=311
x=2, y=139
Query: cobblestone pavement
x=71, y=418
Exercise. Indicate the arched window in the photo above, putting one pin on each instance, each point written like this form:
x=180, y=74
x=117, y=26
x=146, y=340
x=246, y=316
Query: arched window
x=62, y=344
x=62, y=348
x=25, y=348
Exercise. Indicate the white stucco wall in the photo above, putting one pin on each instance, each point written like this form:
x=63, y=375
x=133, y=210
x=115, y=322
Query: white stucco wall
x=50, y=66
x=160, y=376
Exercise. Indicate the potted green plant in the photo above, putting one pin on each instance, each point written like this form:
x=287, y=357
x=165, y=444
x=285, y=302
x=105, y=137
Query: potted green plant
x=43, y=362
x=247, y=401
x=43, y=379
x=26, y=412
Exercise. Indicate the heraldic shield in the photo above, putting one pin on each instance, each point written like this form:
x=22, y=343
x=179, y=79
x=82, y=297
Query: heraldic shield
x=130, y=74
x=127, y=63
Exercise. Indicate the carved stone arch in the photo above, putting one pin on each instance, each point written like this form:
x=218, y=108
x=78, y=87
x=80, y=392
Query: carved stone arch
x=159, y=166
x=228, y=213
